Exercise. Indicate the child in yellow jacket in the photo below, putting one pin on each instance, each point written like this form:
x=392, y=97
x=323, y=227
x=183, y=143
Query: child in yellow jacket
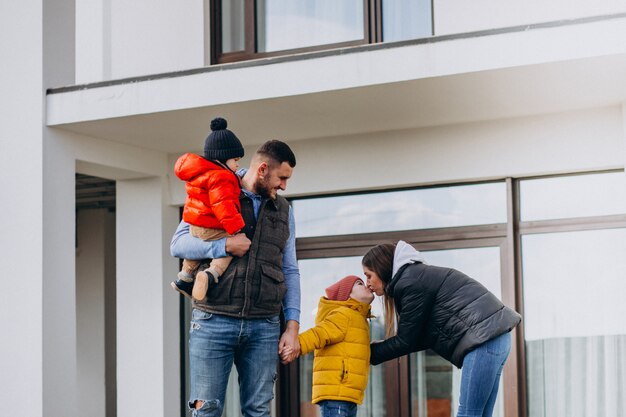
x=341, y=340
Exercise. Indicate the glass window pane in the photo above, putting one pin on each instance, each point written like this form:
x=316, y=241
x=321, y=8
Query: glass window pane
x=574, y=309
x=573, y=196
x=233, y=26
x=290, y=24
x=435, y=382
x=407, y=19
x=401, y=210
x=316, y=275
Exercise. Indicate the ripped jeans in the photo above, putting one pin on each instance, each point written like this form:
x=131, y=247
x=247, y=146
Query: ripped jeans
x=215, y=343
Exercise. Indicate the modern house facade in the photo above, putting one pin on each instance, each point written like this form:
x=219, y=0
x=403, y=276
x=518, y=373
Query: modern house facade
x=491, y=135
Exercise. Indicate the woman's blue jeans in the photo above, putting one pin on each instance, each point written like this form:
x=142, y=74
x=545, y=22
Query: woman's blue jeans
x=215, y=343
x=480, y=377
x=330, y=408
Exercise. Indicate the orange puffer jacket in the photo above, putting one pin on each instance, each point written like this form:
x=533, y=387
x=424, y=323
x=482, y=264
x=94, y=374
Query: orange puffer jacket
x=341, y=340
x=212, y=194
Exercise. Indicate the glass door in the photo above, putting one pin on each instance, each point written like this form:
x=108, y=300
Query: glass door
x=316, y=275
x=432, y=381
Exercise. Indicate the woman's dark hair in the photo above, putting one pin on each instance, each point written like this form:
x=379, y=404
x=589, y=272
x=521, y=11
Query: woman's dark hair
x=380, y=260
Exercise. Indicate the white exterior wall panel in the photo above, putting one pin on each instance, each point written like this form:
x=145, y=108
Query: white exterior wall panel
x=460, y=16
x=118, y=39
x=21, y=221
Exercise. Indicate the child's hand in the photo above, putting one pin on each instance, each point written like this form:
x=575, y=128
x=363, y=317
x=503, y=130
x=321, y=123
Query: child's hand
x=285, y=353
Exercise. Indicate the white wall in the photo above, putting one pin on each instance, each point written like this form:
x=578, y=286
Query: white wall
x=458, y=16
x=117, y=39
x=93, y=41
x=21, y=153
x=584, y=140
x=549, y=144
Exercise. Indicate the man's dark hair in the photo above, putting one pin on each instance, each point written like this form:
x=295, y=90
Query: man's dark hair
x=278, y=152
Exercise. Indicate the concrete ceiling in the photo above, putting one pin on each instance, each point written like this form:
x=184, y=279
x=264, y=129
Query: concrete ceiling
x=471, y=97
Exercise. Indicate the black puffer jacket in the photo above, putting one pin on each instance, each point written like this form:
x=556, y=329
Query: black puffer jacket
x=444, y=310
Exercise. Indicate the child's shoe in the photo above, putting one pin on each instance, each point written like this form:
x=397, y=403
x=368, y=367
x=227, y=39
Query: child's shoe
x=184, y=284
x=201, y=285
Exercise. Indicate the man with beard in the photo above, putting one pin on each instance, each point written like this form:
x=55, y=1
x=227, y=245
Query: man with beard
x=238, y=321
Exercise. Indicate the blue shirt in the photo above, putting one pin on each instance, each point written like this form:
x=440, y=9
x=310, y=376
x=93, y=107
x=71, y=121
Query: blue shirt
x=185, y=246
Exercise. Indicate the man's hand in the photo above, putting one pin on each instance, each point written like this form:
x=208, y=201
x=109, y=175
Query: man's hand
x=289, y=346
x=237, y=245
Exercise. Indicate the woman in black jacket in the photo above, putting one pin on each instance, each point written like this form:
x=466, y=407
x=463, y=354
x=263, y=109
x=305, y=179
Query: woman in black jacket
x=444, y=310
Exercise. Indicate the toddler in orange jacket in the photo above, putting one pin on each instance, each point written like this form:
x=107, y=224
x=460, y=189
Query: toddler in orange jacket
x=212, y=208
x=341, y=341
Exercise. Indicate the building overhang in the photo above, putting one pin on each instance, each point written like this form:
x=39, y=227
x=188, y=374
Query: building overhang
x=505, y=73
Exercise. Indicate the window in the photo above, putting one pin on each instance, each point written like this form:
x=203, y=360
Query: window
x=574, y=292
x=248, y=29
x=572, y=245
x=573, y=196
x=459, y=226
x=406, y=19
x=550, y=247
x=425, y=208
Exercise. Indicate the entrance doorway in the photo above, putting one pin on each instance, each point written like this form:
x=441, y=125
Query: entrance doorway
x=95, y=295
x=421, y=384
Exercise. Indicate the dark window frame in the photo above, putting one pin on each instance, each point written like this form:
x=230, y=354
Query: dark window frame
x=505, y=235
x=372, y=33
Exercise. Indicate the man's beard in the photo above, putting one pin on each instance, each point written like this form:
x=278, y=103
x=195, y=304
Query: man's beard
x=263, y=189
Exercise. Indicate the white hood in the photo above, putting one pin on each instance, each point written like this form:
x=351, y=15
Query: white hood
x=405, y=254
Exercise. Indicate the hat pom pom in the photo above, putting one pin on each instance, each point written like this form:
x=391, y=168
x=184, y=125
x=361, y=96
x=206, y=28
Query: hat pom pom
x=218, y=124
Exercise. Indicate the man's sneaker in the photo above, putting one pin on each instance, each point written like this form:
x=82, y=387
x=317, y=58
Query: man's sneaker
x=184, y=284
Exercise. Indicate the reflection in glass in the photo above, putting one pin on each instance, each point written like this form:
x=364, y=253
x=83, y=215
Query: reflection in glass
x=316, y=275
x=402, y=210
x=435, y=382
x=573, y=196
x=233, y=27
x=290, y=24
x=574, y=309
x=407, y=19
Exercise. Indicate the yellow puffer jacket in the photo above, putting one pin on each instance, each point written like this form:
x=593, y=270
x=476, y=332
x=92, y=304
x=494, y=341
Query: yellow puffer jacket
x=341, y=340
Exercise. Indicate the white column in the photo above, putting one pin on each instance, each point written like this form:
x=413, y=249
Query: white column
x=21, y=153
x=147, y=309
x=59, y=278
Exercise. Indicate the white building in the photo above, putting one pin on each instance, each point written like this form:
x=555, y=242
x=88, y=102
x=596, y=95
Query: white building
x=490, y=134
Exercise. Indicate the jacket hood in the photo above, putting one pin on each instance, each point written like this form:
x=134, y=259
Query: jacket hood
x=405, y=254
x=326, y=306
x=190, y=165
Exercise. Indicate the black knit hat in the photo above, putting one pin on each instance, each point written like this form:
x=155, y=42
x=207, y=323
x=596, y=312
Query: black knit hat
x=222, y=144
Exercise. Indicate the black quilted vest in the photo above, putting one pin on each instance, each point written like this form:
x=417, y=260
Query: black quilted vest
x=253, y=286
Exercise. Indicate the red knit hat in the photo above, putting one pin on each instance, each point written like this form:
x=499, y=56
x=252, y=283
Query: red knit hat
x=340, y=290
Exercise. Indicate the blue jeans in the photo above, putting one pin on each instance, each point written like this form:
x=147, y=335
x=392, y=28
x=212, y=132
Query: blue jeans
x=480, y=377
x=330, y=408
x=215, y=343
